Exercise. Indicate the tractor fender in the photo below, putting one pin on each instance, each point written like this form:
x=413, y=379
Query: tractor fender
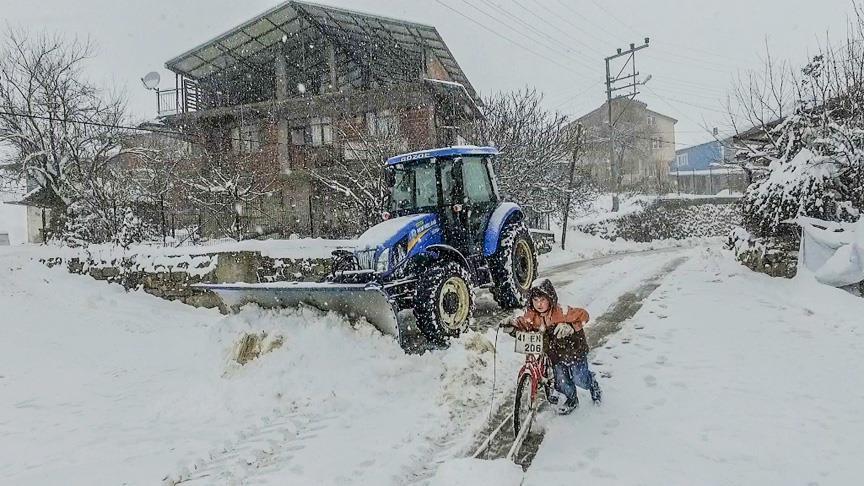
x=446, y=251
x=500, y=217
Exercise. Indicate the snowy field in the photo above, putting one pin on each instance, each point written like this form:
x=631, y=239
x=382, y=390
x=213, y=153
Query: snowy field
x=723, y=377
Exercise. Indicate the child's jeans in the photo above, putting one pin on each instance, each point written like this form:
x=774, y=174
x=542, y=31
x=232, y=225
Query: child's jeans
x=570, y=375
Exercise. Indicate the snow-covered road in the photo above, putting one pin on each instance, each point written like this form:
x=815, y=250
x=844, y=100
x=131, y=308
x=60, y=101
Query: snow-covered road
x=108, y=387
x=724, y=377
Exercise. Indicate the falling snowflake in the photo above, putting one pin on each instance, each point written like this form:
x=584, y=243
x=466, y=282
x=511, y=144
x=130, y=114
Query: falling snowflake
x=301, y=88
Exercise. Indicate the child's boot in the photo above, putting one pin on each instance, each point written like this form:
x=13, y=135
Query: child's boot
x=596, y=393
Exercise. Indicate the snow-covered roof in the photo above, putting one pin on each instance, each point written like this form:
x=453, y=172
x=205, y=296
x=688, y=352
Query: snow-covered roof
x=252, y=42
x=453, y=151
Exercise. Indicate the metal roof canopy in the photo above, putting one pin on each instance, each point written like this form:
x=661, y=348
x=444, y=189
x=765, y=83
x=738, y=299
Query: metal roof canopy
x=251, y=44
x=455, y=151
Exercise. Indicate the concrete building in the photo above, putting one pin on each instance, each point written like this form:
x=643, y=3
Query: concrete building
x=644, y=138
x=302, y=85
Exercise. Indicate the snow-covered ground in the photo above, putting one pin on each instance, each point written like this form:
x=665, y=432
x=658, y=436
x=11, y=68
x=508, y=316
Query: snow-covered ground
x=724, y=376
x=109, y=387
x=99, y=386
x=582, y=246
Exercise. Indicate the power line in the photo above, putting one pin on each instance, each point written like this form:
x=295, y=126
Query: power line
x=549, y=24
x=632, y=30
x=508, y=39
x=553, y=47
x=85, y=122
x=124, y=127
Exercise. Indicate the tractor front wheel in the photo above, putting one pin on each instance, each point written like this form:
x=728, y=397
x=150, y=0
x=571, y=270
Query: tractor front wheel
x=443, y=301
x=514, y=266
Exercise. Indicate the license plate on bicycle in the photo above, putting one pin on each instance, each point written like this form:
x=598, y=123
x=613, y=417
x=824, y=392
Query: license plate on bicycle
x=529, y=342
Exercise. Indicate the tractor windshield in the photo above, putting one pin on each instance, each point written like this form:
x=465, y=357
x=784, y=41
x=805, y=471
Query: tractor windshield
x=414, y=188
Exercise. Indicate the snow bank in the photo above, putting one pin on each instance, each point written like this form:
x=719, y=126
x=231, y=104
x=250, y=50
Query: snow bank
x=100, y=386
x=476, y=472
x=582, y=246
x=833, y=253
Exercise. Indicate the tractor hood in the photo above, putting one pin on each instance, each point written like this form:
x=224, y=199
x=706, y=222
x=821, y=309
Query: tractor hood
x=388, y=233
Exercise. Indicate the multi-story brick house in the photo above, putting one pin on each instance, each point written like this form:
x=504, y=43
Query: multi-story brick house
x=302, y=85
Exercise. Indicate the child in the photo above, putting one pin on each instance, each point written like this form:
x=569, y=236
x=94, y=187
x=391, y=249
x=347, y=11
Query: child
x=566, y=344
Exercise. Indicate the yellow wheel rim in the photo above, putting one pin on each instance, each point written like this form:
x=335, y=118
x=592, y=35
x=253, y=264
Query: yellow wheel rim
x=454, y=303
x=523, y=269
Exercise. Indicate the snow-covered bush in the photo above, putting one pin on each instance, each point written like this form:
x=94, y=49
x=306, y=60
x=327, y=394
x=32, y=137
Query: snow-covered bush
x=810, y=162
x=672, y=219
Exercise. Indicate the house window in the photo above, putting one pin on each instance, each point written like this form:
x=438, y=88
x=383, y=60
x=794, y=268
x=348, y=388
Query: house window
x=298, y=136
x=246, y=139
x=382, y=124
x=322, y=131
x=319, y=132
x=681, y=160
x=656, y=143
x=652, y=120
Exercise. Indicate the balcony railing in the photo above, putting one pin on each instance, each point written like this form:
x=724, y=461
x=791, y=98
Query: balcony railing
x=184, y=99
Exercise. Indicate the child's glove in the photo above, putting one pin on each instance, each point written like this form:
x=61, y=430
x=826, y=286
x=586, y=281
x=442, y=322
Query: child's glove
x=563, y=330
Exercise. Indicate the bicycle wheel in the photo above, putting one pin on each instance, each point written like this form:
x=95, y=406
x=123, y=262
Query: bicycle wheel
x=522, y=404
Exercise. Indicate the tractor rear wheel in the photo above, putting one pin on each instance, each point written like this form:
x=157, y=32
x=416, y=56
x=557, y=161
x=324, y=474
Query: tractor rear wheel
x=443, y=301
x=513, y=266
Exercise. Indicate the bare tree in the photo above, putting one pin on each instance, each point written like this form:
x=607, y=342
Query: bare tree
x=358, y=175
x=760, y=100
x=232, y=188
x=535, y=144
x=157, y=173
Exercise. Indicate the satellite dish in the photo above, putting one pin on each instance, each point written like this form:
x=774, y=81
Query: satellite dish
x=151, y=80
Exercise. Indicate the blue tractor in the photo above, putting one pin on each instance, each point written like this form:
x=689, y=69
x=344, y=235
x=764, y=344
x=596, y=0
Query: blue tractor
x=446, y=233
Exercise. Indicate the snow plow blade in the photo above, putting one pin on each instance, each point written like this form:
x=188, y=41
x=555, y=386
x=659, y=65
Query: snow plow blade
x=351, y=300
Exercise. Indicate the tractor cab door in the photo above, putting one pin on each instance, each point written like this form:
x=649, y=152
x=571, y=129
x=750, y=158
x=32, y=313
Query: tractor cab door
x=453, y=219
x=468, y=199
x=479, y=198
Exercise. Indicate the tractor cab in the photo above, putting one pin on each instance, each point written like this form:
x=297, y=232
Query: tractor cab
x=455, y=183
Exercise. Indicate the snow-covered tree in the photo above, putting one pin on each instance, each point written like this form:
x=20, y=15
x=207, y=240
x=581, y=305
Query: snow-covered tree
x=64, y=132
x=810, y=160
x=230, y=188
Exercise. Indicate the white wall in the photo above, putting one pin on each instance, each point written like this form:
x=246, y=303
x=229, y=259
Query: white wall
x=13, y=219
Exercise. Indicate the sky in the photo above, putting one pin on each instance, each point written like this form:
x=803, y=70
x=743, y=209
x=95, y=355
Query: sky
x=697, y=48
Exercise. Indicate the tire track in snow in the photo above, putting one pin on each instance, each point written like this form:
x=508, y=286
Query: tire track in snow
x=257, y=450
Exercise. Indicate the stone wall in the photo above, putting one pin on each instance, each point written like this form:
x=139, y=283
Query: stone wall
x=671, y=219
x=174, y=277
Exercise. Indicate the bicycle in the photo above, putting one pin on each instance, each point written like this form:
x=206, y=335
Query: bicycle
x=536, y=372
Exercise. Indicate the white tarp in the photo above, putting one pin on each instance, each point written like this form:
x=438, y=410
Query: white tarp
x=832, y=252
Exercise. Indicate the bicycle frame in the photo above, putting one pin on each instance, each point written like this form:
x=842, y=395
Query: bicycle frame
x=534, y=366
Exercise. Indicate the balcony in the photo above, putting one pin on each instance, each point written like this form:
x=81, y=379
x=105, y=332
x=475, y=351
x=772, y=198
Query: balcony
x=184, y=99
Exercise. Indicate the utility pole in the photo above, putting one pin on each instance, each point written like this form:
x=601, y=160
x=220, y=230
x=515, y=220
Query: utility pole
x=612, y=87
x=580, y=134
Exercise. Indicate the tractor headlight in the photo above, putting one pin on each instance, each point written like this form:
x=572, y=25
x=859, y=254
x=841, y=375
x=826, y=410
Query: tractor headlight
x=400, y=251
x=383, y=262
